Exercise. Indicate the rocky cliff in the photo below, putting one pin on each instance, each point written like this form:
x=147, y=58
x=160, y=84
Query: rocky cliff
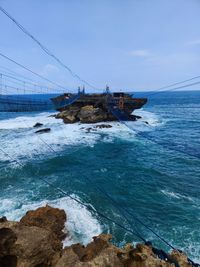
x=88, y=114
x=36, y=241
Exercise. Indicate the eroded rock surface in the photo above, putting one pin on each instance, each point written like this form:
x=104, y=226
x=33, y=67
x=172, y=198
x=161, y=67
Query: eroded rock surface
x=35, y=241
x=47, y=217
x=88, y=114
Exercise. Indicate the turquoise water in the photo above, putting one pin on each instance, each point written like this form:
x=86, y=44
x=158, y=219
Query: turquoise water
x=158, y=180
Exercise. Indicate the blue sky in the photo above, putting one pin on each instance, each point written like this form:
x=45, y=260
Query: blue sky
x=130, y=45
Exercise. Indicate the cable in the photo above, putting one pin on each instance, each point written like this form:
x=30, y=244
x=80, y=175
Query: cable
x=25, y=82
x=47, y=51
x=177, y=83
x=89, y=207
x=173, y=89
x=24, y=67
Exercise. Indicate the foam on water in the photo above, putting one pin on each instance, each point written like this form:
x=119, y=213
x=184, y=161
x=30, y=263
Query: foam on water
x=21, y=122
x=82, y=226
x=147, y=116
x=176, y=195
x=20, y=140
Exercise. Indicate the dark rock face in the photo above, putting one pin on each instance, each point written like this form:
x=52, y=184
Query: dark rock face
x=45, y=130
x=35, y=241
x=7, y=239
x=37, y=125
x=3, y=219
x=101, y=126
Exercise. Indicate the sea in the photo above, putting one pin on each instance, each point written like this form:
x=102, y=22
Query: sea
x=148, y=170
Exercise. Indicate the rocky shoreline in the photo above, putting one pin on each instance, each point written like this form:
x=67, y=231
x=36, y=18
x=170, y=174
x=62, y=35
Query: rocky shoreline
x=36, y=241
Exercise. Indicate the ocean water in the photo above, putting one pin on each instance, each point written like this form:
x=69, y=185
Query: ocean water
x=151, y=169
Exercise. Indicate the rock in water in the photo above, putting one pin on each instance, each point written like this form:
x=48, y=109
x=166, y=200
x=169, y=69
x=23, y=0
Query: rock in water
x=37, y=125
x=69, y=115
x=101, y=126
x=45, y=130
x=89, y=114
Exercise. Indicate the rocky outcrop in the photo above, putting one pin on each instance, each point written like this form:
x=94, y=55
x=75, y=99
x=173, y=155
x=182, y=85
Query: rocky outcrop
x=48, y=218
x=28, y=243
x=45, y=130
x=88, y=114
x=37, y=125
x=36, y=241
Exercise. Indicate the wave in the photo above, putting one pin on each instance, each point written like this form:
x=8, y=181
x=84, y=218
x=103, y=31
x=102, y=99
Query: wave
x=20, y=141
x=82, y=226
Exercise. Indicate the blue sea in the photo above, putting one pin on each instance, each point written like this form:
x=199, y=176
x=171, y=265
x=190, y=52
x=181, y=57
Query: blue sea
x=151, y=169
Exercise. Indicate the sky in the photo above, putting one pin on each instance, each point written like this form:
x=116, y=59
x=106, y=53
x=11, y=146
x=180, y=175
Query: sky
x=130, y=45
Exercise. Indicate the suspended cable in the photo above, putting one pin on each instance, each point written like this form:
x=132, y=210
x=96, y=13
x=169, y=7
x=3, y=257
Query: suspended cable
x=177, y=83
x=89, y=207
x=25, y=82
x=24, y=67
x=46, y=50
x=173, y=89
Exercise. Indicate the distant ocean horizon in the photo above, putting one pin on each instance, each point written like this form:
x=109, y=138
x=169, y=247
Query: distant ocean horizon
x=151, y=169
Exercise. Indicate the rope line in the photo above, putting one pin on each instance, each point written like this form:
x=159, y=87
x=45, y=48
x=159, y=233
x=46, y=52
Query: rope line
x=89, y=207
x=33, y=72
x=26, y=82
x=46, y=50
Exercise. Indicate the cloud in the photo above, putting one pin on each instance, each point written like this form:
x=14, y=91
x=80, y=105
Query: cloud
x=193, y=43
x=140, y=53
x=49, y=69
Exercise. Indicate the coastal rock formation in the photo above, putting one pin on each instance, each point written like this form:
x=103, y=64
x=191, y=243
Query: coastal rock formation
x=47, y=218
x=45, y=130
x=88, y=114
x=36, y=241
x=37, y=125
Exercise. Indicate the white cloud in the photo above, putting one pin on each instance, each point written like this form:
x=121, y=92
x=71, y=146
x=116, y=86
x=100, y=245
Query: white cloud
x=49, y=69
x=194, y=42
x=140, y=53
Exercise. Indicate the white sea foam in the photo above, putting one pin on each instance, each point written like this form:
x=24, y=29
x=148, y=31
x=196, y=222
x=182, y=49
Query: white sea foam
x=176, y=195
x=82, y=226
x=20, y=141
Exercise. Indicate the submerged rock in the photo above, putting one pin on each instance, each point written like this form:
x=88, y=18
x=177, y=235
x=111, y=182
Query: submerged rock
x=35, y=241
x=37, y=125
x=100, y=126
x=45, y=130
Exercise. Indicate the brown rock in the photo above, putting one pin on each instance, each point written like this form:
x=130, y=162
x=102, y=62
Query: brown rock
x=89, y=114
x=181, y=258
x=28, y=246
x=35, y=241
x=48, y=218
x=7, y=239
x=69, y=115
x=36, y=246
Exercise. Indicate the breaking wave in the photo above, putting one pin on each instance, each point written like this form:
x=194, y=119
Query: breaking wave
x=21, y=142
x=82, y=226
